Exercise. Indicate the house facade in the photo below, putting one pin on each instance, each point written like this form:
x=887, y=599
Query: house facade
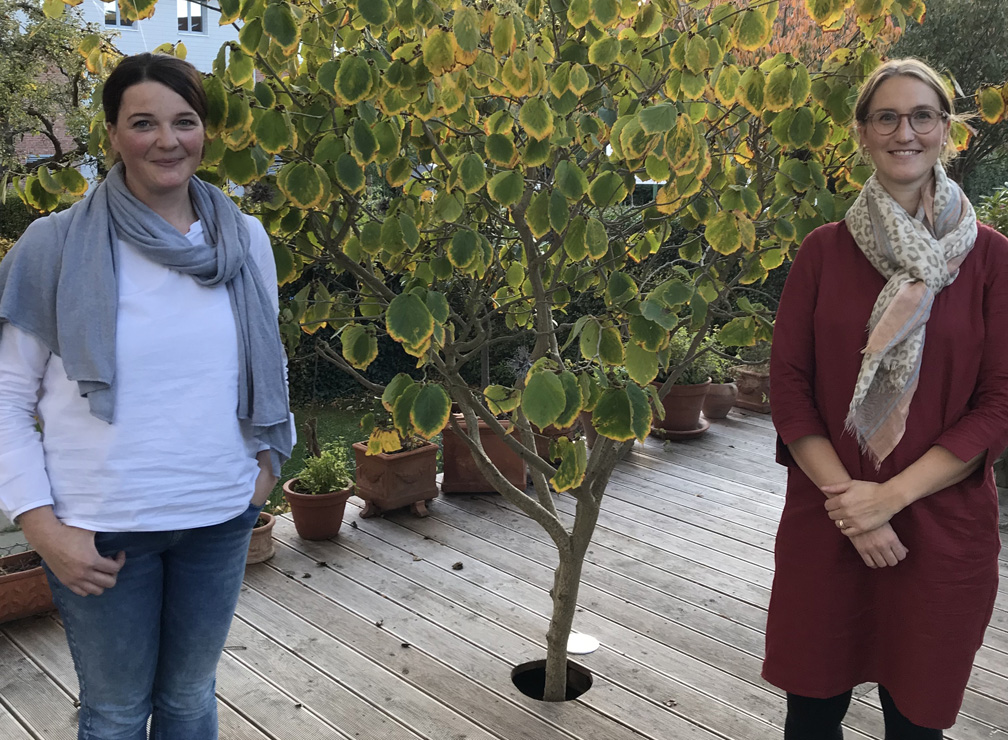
x=190, y=22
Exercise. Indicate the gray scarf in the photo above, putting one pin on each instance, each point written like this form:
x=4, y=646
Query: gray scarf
x=59, y=283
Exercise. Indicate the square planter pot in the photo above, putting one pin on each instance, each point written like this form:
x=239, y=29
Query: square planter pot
x=23, y=591
x=391, y=481
x=460, y=472
x=753, y=388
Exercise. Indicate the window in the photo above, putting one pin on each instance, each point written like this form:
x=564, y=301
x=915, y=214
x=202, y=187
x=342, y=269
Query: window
x=191, y=16
x=113, y=17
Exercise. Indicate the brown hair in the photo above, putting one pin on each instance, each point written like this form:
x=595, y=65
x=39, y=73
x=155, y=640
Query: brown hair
x=172, y=72
x=907, y=67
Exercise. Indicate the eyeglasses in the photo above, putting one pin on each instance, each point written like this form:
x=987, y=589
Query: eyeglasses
x=922, y=120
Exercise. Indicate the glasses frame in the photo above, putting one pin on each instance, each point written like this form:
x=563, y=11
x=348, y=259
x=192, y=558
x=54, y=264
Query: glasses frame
x=872, y=119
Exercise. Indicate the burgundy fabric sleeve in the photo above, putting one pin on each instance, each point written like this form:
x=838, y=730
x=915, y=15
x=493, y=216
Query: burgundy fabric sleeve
x=792, y=357
x=984, y=427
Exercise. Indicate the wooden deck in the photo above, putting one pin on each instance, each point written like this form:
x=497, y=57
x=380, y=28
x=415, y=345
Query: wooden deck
x=408, y=628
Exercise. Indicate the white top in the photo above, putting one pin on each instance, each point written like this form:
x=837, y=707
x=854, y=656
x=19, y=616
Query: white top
x=176, y=456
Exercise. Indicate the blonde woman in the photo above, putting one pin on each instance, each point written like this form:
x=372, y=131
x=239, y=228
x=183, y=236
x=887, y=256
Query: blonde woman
x=890, y=398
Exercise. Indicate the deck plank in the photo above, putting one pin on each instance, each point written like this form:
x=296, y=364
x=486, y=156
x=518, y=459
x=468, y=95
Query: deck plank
x=407, y=629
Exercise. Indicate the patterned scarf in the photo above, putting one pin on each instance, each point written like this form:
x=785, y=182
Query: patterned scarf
x=919, y=255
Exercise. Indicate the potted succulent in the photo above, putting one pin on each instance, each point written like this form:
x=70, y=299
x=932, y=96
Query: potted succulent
x=685, y=397
x=753, y=378
x=24, y=590
x=394, y=469
x=318, y=493
x=722, y=391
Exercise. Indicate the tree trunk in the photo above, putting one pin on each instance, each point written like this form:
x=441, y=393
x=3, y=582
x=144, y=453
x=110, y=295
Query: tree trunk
x=566, y=582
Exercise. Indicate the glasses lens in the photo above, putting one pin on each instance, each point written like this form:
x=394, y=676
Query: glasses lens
x=923, y=121
x=885, y=122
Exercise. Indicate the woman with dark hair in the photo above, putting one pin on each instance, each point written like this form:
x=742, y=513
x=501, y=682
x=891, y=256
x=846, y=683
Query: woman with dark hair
x=140, y=328
x=890, y=398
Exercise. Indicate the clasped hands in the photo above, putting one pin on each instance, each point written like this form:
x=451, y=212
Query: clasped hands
x=862, y=510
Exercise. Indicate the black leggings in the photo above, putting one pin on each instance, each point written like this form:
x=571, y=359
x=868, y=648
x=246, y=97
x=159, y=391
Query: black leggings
x=819, y=719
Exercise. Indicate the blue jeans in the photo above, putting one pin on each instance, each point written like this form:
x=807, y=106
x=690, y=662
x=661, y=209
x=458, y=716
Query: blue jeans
x=149, y=646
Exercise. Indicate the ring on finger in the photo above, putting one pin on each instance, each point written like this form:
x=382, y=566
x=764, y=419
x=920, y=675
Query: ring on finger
x=840, y=524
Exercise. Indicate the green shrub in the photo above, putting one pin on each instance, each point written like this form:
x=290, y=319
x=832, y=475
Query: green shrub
x=993, y=209
x=330, y=471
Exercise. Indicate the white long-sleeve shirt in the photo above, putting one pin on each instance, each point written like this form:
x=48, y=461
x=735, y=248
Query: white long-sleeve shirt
x=176, y=455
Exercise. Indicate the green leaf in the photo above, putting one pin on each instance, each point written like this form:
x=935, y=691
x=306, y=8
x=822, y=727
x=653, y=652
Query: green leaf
x=472, y=173
x=349, y=174
x=752, y=30
x=697, y=58
x=537, y=214
x=408, y=321
x=395, y=388
x=278, y=22
x=722, y=232
x=375, y=12
x=620, y=289
x=606, y=190
x=611, y=346
x=47, y=181
x=579, y=12
x=991, y=104
x=558, y=211
x=437, y=304
x=273, y=132
x=506, y=188
x=641, y=412
x=573, y=464
x=536, y=118
x=658, y=119
x=500, y=149
x=466, y=25
x=580, y=80
x=239, y=166
x=71, y=181
x=431, y=410
x=363, y=143
x=604, y=52
x=463, y=250
x=574, y=243
x=439, y=51
x=596, y=239
x=402, y=409
x=777, y=89
x=397, y=173
x=571, y=180
x=727, y=84
x=573, y=402
x=305, y=185
x=543, y=399
x=501, y=399
x=641, y=364
x=613, y=415
x=360, y=347
x=353, y=80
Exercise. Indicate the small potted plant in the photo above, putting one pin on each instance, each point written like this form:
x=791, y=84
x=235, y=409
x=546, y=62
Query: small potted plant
x=722, y=391
x=394, y=469
x=685, y=398
x=318, y=493
x=24, y=590
x=261, y=547
x=753, y=378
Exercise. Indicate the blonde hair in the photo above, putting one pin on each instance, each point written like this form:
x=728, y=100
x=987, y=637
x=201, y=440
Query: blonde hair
x=908, y=67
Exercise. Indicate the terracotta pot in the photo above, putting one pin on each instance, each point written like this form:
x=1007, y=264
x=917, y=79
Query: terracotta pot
x=24, y=592
x=719, y=400
x=753, y=387
x=261, y=547
x=316, y=516
x=390, y=481
x=460, y=472
x=682, y=410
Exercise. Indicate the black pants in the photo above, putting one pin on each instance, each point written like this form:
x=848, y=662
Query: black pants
x=819, y=719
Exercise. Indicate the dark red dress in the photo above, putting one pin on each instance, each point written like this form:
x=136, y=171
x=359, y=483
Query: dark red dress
x=914, y=628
